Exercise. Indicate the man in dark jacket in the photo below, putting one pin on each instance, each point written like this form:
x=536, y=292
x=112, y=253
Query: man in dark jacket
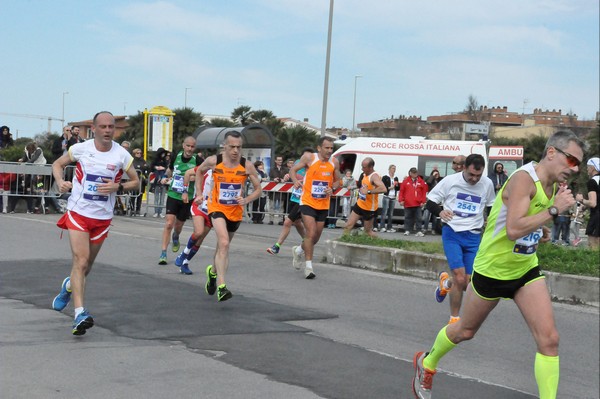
x=498, y=176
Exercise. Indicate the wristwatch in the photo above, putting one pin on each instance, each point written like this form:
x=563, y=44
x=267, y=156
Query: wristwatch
x=368, y=191
x=553, y=211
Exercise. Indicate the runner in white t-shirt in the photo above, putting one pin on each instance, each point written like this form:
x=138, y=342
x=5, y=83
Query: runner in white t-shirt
x=101, y=163
x=464, y=197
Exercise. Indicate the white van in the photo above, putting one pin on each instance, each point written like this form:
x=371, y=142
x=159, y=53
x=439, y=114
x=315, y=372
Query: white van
x=425, y=155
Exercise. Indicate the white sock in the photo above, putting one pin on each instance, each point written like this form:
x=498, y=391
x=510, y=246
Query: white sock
x=299, y=250
x=309, y=264
x=78, y=311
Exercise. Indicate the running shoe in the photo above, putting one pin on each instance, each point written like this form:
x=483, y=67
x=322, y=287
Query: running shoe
x=82, y=323
x=391, y=230
x=296, y=259
x=423, y=379
x=576, y=242
x=223, y=294
x=64, y=296
x=185, y=269
x=407, y=233
x=211, y=281
x=441, y=291
x=179, y=259
x=176, y=244
x=420, y=234
x=274, y=250
x=163, y=258
x=309, y=273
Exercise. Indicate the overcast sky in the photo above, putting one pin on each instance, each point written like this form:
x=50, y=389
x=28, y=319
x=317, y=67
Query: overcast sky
x=415, y=57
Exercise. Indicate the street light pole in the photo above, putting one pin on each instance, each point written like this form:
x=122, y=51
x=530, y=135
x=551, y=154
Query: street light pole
x=354, y=109
x=63, y=108
x=325, y=89
x=185, y=103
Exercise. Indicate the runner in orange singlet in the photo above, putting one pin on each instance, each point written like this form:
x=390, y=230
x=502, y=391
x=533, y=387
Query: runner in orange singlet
x=321, y=179
x=368, y=199
x=226, y=204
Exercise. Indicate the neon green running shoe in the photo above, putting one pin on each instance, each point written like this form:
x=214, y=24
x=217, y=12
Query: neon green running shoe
x=224, y=294
x=211, y=281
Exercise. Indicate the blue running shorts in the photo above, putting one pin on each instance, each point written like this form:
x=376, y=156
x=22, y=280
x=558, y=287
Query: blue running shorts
x=460, y=248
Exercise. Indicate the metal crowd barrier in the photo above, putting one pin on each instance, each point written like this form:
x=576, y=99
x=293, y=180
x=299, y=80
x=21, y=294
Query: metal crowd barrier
x=274, y=204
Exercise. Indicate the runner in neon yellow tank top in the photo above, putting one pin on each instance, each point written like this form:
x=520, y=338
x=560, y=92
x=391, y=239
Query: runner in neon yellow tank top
x=506, y=265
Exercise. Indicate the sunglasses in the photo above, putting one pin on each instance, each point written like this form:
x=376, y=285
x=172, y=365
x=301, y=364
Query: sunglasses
x=572, y=160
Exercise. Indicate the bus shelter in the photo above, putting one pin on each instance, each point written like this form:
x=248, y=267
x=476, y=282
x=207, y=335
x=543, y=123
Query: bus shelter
x=258, y=143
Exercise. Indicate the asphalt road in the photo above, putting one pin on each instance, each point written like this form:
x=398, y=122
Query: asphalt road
x=347, y=334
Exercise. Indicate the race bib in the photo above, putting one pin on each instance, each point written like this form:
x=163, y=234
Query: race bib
x=177, y=184
x=318, y=188
x=228, y=193
x=466, y=205
x=90, y=188
x=528, y=245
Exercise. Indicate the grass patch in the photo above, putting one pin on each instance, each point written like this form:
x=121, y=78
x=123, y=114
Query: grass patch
x=568, y=260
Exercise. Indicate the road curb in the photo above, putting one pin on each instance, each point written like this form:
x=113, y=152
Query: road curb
x=562, y=287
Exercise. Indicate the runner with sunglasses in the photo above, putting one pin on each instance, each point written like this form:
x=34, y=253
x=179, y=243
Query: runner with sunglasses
x=506, y=265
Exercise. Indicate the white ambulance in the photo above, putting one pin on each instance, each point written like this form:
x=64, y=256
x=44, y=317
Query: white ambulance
x=425, y=155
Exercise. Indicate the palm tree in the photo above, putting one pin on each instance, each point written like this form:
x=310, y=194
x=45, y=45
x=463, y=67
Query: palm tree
x=242, y=115
x=262, y=115
x=185, y=123
x=291, y=140
x=222, y=122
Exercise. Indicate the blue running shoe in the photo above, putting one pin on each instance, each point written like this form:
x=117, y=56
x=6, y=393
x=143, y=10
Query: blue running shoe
x=179, y=259
x=82, y=323
x=185, y=269
x=64, y=296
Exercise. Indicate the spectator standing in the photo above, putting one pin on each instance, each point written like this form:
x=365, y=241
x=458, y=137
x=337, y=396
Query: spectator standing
x=126, y=144
x=6, y=139
x=6, y=181
x=593, y=187
x=349, y=183
x=60, y=144
x=432, y=181
x=413, y=195
x=141, y=167
x=561, y=228
x=75, y=137
x=388, y=200
x=458, y=163
x=159, y=168
x=576, y=222
x=498, y=176
x=278, y=174
x=258, y=206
